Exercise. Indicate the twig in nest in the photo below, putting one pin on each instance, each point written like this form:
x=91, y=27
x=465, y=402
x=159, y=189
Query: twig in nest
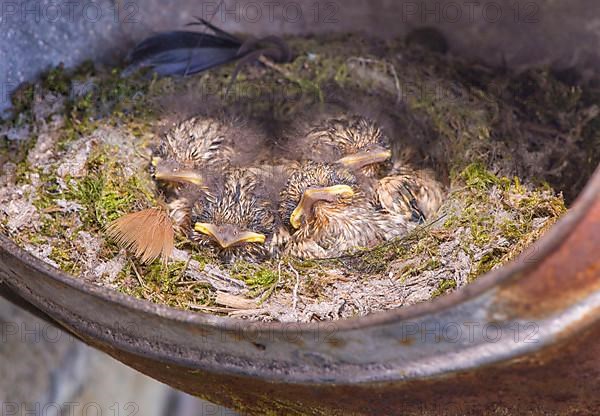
x=290, y=76
x=235, y=302
x=296, y=287
x=149, y=233
x=137, y=275
x=181, y=274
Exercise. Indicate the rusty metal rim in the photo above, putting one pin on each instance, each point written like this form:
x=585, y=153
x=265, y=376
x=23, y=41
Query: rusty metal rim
x=547, y=244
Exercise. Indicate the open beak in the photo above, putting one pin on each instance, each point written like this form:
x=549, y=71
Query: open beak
x=228, y=236
x=361, y=159
x=183, y=176
x=312, y=195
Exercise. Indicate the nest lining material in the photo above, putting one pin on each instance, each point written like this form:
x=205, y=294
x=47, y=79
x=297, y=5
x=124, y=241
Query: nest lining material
x=77, y=164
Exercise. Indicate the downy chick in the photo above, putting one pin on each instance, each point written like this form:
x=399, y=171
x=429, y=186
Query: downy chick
x=237, y=218
x=330, y=214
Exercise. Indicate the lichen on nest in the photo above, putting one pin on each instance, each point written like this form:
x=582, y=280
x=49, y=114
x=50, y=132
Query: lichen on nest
x=76, y=154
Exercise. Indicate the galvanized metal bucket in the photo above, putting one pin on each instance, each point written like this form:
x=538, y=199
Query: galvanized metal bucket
x=523, y=337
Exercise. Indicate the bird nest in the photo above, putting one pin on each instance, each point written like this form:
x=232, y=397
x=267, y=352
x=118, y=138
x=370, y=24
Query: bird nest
x=508, y=146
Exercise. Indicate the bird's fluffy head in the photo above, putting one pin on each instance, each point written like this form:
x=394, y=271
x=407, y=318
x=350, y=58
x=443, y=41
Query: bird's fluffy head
x=195, y=142
x=353, y=139
x=232, y=218
x=314, y=176
x=350, y=133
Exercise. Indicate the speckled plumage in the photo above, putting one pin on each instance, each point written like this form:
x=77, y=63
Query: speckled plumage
x=196, y=150
x=237, y=205
x=198, y=142
x=334, y=137
x=397, y=188
x=406, y=188
x=335, y=227
x=236, y=202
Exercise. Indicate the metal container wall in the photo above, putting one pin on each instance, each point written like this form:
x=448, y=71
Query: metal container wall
x=523, y=338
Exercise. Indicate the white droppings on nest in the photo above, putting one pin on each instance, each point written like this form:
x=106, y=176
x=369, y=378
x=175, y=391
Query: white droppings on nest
x=42, y=252
x=8, y=175
x=47, y=104
x=106, y=272
x=21, y=214
x=102, y=272
x=43, y=151
x=17, y=211
x=125, y=150
x=74, y=162
x=68, y=206
x=90, y=245
x=16, y=133
x=538, y=223
x=344, y=299
x=46, y=107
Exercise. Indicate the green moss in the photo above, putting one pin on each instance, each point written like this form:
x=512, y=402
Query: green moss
x=64, y=258
x=476, y=176
x=22, y=99
x=163, y=284
x=444, y=286
x=106, y=192
x=57, y=80
x=421, y=241
x=486, y=263
x=262, y=279
x=514, y=230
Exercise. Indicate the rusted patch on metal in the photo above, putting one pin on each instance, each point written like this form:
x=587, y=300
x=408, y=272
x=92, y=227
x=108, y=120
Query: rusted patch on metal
x=534, y=384
x=406, y=341
x=570, y=274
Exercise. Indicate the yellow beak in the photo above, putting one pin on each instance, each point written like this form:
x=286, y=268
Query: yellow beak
x=312, y=195
x=184, y=176
x=361, y=159
x=228, y=236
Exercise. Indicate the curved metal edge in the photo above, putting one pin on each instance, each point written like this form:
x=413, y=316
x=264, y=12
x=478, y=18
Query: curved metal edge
x=541, y=375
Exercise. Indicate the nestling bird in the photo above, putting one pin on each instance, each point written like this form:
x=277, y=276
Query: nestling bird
x=352, y=140
x=360, y=145
x=237, y=218
x=405, y=186
x=198, y=149
x=330, y=214
x=186, y=158
x=193, y=144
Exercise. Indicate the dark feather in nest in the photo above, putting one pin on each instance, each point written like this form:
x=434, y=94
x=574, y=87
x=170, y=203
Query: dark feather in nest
x=183, y=52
